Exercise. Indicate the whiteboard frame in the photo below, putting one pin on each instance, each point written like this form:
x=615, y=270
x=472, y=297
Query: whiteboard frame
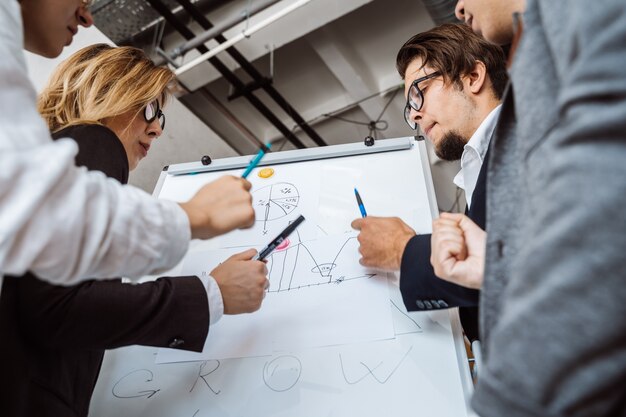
x=337, y=151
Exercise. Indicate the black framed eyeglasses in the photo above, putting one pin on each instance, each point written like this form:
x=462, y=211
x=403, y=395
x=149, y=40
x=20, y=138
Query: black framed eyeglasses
x=415, y=99
x=152, y=112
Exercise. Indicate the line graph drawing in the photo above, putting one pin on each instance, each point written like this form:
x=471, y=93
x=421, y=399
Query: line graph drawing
x=275, y=201
x=307, y=264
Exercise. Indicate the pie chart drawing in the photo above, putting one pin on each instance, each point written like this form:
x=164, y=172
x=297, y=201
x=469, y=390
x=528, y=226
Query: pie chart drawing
x=275, y=201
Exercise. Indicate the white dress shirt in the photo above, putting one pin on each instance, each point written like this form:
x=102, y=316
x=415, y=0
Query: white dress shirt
x=59, y=221
x=474, y=155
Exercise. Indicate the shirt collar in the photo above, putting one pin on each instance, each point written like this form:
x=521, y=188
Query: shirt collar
x=475, y=150
x=479, y=142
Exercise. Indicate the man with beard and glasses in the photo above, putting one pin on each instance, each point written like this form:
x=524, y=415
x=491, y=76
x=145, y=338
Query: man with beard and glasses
x=453, y=82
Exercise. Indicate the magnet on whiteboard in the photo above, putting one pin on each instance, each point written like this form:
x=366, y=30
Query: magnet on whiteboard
x=266, y=172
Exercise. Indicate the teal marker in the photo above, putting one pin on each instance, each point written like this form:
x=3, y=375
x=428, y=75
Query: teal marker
x=264, y=149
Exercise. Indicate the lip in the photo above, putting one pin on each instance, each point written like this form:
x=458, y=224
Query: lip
x=428, y=129
x=144, y=148
x=73, y=31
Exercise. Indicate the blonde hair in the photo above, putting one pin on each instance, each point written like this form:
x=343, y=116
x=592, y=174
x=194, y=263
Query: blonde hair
x=99, y=82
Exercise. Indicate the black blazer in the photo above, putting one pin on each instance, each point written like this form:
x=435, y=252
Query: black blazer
x=422, y=290
x=53, y=338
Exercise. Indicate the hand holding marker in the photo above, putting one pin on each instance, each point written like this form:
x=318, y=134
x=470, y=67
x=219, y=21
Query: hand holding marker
x=266, y=251
x=255, y=161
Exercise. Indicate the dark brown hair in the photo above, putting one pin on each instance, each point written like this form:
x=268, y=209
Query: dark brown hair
x=453, y=50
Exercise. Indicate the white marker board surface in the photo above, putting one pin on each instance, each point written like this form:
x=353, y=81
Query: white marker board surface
x=422, y=371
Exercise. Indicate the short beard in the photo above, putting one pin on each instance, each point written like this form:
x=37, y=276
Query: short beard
x=450, y=147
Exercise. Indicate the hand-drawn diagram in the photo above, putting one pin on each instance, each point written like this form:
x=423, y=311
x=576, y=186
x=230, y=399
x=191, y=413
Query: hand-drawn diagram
x=274, y=202
x=282, y=373
x=304, y=265
x=311, y=302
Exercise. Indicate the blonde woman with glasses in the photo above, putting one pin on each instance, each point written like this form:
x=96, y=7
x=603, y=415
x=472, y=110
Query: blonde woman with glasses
x=109, y=100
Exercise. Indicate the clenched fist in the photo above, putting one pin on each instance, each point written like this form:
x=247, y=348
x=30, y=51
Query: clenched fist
x=219, y=207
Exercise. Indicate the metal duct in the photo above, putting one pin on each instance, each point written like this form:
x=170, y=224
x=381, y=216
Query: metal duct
x=441, y=11
x=133, y=22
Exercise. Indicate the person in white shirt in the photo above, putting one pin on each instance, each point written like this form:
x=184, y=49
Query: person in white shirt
x=109, y=100
x=453, y=83
x=61, y=222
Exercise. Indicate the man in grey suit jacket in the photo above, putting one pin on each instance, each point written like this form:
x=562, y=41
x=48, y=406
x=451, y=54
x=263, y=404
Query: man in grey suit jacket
x=553, y=296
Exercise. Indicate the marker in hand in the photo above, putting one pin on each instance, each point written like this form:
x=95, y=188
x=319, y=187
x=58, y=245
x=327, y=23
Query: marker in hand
x=360, y=203
x=255, y=161
x=266, y=251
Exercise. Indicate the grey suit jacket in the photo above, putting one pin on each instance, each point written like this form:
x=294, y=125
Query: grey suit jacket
x=553, y=304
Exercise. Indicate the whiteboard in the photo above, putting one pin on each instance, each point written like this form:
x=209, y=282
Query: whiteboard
x=422, y=370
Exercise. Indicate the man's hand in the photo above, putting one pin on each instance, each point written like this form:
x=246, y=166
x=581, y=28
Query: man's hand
x=382, y=241
x=242, y=282
x=458, y=250
x=219, y=207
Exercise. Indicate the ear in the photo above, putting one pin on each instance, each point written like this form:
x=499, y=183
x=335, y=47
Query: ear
x=476, y=80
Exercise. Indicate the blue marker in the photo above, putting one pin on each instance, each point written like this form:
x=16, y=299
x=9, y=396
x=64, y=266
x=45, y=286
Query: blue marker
x=264, y=149
x=360, y=203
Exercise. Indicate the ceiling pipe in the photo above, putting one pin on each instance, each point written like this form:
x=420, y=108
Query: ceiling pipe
x=441, y=11
x=246, y=33
x=218, y=29
x=227, y=74
x=256, y=75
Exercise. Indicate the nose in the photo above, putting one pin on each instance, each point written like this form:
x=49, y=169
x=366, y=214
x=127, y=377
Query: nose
x=154, y=129
x=84, y=16
x=459, y=10
x=415, y=116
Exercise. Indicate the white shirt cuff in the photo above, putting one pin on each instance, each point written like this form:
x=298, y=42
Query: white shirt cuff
x=214, y=297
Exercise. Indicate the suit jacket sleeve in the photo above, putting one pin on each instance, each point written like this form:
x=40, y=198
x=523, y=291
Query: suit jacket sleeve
x=110, y=314
x=420, y=286
x=421, y=289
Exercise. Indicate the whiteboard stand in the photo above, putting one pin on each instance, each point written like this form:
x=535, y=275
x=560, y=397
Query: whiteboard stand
x=380, y=167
